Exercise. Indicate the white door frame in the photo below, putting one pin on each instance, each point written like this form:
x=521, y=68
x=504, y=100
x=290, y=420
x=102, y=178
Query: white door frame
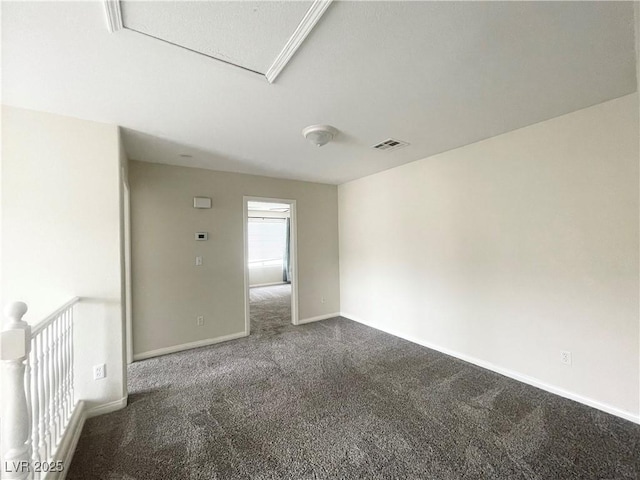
x=128, y=298
x=293, y=253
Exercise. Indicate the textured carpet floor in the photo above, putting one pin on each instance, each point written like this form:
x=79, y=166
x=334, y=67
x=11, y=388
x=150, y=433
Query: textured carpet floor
x=270, y=309
x=335, y=399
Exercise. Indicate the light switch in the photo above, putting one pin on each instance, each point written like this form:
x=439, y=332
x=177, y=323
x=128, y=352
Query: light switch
x=198, y=261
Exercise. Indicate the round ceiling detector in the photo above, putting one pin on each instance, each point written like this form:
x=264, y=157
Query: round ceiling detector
x=319, y=135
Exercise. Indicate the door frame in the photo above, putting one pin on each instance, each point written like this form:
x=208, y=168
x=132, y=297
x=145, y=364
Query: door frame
x=128, y=297
x=293, y=253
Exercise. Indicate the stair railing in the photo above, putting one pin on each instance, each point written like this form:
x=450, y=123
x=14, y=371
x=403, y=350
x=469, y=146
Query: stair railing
x=36, y=367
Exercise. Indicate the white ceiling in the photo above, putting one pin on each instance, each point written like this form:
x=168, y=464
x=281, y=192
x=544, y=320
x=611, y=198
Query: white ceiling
x=247, y=34
x=437, y=75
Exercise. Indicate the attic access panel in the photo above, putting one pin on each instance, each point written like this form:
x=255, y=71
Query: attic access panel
x=254, y=35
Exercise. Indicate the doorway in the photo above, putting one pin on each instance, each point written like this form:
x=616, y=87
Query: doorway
x=270, y=260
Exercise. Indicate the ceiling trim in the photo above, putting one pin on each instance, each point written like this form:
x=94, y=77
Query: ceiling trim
x=309, y=21
x=114, y=15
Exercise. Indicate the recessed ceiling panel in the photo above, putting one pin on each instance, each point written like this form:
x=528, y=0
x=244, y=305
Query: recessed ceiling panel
x=246, y=34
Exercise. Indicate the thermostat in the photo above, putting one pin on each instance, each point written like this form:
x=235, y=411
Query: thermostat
x=202, y=236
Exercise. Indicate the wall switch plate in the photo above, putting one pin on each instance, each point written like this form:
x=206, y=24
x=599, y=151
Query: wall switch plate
x=198, y=261
x=565, y=357
x=322, y=300
x=199, y=320
x=201, y=236
x=99, y=371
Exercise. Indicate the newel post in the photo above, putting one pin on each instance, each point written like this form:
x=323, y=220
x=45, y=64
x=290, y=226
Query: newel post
x=14, y=351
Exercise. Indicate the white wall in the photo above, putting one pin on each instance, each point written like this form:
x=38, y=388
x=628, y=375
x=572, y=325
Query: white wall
x=509, y=250
x=169, y=291
x=265, y=275
x=61, y=234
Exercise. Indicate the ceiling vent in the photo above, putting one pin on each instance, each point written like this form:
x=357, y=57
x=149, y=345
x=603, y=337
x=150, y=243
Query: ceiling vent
x=390, y=144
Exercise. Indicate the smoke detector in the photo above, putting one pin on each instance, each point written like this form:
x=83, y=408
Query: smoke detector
x=319, y=135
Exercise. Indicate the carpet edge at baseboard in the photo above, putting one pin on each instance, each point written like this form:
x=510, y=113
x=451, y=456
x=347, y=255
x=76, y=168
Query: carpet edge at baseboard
x=318, y=318
x=187, y=346
x=534, y=382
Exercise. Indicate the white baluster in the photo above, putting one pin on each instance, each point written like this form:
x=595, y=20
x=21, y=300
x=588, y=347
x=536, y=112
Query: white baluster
x=42, y=395
x=16, y=343
x=63, y=399
x=56, y=379
x=65, y=402
x=59, y=378
x=68, y=378
x=27, y=393
x=52, y=403
x=46, y=337
x=71, y=360
x=52, y=356
x=35, y=400
x=63, y=356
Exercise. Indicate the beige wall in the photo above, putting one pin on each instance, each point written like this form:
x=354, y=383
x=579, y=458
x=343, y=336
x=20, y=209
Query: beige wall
x=169, y=291
x=636, y=12
x=61, y=234
x=509, y=250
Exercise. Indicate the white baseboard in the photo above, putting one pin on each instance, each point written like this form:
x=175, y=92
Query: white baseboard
x=506, y=372
x=68, y=443
x=106, y=407
x=268, y=284
x=67, y=446
x=187, y=346
x=319, y=317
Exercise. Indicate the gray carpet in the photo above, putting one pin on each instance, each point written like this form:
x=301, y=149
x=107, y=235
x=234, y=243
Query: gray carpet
x=270, y=309
x=335, y=399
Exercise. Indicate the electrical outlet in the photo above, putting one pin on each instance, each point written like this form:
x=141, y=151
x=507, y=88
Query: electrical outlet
x=198, y=261
x=199, y=320
x=99, y=371
x=565, y=357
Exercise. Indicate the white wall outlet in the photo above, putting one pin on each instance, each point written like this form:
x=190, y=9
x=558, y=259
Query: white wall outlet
x=99, y=371
x=198, y=260
x=565, y=357
x=199, y=320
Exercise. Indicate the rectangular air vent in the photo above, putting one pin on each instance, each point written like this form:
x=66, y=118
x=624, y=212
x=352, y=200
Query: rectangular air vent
x=390, y=144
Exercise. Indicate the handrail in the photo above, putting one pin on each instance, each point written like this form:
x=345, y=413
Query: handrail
x=52, y=316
